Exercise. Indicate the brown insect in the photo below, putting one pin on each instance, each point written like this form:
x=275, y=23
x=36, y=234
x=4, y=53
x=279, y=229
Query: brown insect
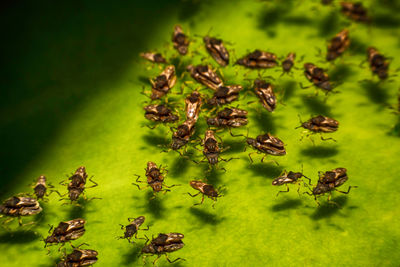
x=206, y=190
x=78, y=258
x=328, y=182
x=355, y=11
x=66, y=231
x=318, y=77
x=163, y=83
x=217, y=50
x=225, y=94
x=265, y=93
x=77, y=185
x=267, y=144
x=229, y=117
x=378, y=63
x=163, y=244
x=155, y=178
x=132, y=228
x=290, y=177
x=206, y=76
x=19, y=206
x=288, y=63
x=182, y=134
x=40, y=188
x=180, y=40
x=159, y=113
x=153, y=57
x=320, y=124
x=338, y=45
x=193, y=104
x=258, y=59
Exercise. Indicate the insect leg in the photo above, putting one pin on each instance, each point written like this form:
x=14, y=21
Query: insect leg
x=287, y=187
x=94, y=183
x=348, y=190
x=251, y=159
x=158, y=256
x=325, y=139
x=194, y=194
x=201, y=202
x=173, y=260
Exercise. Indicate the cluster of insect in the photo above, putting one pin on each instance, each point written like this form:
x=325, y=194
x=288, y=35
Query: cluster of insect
x=217, y=116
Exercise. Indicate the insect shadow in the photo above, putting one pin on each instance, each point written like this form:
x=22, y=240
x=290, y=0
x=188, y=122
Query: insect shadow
x=144, y=80
x=375, y=92
x=341, y=72
x=395, y=131
x=264, y=121
x=179, y=166
x=319, y=151
x=329, y=24
x=266, y=170
x=286, y=205
x=156, y=139
x=357, y=46
x=289, y=88
x=18, y=237
x=234, y=145
x=206, y=217
x=213, y=175
x=131, y=256
x=155, y=205
x=316, y=106
x=386, y=20
x=327, y=210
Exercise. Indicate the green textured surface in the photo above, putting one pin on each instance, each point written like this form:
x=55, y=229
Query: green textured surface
x=73, y=80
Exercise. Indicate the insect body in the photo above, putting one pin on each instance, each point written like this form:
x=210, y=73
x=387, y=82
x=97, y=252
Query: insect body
x=40, y=187
x=289, y=178
x=206, y=190
x=205, y=75
x=78, y=184
x=79, y=257
x=183, y=133
x=132, y=228
x=20, y=206
x=193, y=104
x=180, y=40
x=317, y=76
x=217, y=50
x=163, y=82
x=159, y=113
x=153, y=57
x=355, y=11
x=229, y=117
x=320, y=124
x=66, y=231
x=267, y=144
x=258, y=59
x=211, y=149
x=265, y=93
x=155, y=178
x=225, y=94
x=163, y=244
x=288, y=63
x=338, y=45
x=378, y=63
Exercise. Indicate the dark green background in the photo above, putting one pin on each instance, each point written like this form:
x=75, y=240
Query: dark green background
x=71, y=81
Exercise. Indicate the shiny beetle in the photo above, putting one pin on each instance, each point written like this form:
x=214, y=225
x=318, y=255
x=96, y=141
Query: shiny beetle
x=183, y=133
x=163, y=244
x=355, y=11
x=258, y=59
x=267, y=144
x=225, y=94
x=19, y=206
x=163, y=83
x=153, y=57
x=180, y=40
x=79, y=257
x=132, y=228
x=217, y=50
x=265, y=93
x=193, y=104
x=206, y=190
x=378, y=63
x=205, y=75
x=289, y=178
x=318, y=77
x=155, y=178
x=338, y=45
x=66, y=231
x=159, y=113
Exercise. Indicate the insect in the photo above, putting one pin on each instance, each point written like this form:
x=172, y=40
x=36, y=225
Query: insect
x=328, y=182
x=225, y=94
x=289, y=178
x=229, y=117
x=205, y=75
x=180, y=40
x=66, y=231
x=153, y=57
x=288, y=63
x=20, y=206
x=132, y=228
x=265, y=93
x=163, y=83
x=338, y=45
x=320, y=124
x=183, y=133
x=155, y=178
x=193, y=104
x=378, y=63
x=318, y=77
x=355, y=11
x=217, y=50
x=40, y=188
x=267, y=144
x=77, y=185
x=159, y=113
x=78, y=258
x=258, y=59
x=163, y=244
x=206, y=190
